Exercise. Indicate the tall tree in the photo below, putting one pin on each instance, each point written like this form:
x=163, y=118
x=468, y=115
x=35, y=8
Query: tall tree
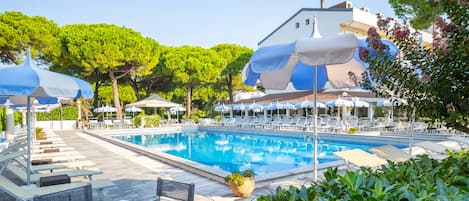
x=110, y=49
x=420, y=13
x=434, y=79
x=192, y=67
x=235, y=57
x=19, y=31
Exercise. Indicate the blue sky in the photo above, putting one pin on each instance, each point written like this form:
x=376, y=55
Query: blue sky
x=177, y=22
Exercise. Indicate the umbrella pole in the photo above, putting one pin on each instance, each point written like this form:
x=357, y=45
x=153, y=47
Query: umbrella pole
x=28, y=126
x=411, y=139
x=315, y=129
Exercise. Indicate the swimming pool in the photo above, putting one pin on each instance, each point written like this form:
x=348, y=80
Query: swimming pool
x=232, y=151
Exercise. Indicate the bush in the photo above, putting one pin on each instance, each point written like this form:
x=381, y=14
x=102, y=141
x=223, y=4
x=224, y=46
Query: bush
x=420, y=178
x=68, y=113
x=152, y=120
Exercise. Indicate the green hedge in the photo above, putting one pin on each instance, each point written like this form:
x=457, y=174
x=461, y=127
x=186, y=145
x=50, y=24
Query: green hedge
x=68, y=113
x=420, y=178
x=17, y=116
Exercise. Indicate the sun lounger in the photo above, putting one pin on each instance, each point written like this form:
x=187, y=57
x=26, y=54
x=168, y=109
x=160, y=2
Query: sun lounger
x=57, y=159
x=55, y=154
x=37, y=168
x=60, y=149
x=391, y=153
x=360, y=158
x=462, y=140
x=175, y=190
x=20, y=174
x=20, y=193
x=433, y=147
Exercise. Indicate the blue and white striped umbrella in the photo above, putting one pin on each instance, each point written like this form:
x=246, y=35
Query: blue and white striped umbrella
x=309, y=104
x=222, y=108
x=309, y=63
x=28, y=81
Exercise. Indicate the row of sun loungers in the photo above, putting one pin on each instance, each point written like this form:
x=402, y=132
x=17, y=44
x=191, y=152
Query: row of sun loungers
x=360, y=158
x=60, y=171
x=328, y=124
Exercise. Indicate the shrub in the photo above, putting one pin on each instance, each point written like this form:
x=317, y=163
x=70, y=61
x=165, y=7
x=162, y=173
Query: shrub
x=420, y=178
x=238, y=178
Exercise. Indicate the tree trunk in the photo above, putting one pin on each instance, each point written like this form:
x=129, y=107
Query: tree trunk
x=133, y=83
x=230, y=87
x=189, y=100
x=115, y=93
x=96, y=91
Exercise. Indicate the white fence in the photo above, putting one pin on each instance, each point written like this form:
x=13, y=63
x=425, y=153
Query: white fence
x=57, y=125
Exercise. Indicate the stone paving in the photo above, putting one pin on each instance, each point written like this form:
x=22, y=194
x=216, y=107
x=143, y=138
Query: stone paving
x=135, y=175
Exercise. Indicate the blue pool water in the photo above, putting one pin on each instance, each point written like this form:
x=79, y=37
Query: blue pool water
x=233, y=151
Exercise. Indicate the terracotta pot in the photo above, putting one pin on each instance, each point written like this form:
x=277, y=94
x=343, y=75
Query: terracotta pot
x=244, y=190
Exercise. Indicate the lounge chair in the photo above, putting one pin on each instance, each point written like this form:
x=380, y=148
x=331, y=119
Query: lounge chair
x=433, y=147
x=461, y=140
x=21, y=174
x=360, y=158
x=391, y=153
x=175, y=190
x=82, y=193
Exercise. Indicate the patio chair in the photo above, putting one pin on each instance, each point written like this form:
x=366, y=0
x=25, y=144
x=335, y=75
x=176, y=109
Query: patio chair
x=391, y=153
x=360, y=158
x=175, y=190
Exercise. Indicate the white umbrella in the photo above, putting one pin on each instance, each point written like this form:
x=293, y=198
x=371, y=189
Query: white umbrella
x=307, y=64
x=359, y=103
x=241, y=108
x=133, y=109
x=222, y=109
x=391, y=102
x=307, y=104
x=176, y=110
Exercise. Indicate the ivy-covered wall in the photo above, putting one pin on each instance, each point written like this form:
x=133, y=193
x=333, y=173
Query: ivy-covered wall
x=68, y=113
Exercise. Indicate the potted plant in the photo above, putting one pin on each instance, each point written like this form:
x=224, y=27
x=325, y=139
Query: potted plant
x=40, y=134
x=352, y=130
x=241, y=183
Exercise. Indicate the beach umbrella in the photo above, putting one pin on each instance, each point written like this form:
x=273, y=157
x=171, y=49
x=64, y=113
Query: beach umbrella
x=255, y=107
x=391, y=102
x=222, y=108
x=105, y=109
x=176, y=110
x=307, y=104
x=27, y=81
x=359, y=103
x=241, y=108
x=307, y=64
x=133, y=109
x=339, y=102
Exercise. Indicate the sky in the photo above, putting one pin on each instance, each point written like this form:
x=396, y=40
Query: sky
x=183, y=22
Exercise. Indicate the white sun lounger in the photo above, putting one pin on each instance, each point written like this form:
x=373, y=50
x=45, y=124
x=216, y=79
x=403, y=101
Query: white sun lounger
x=391, y=153
x=60, y=159
x=462, y=140
x=18, y=172
x=20, y=193
x=60, y=149
x=433, y=147
x=55, y=154
x=360, y=158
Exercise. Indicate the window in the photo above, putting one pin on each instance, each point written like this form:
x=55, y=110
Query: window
x=297, y=25
x=307, y=22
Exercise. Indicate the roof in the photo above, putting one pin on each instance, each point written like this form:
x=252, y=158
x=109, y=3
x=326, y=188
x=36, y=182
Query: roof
x=154, y=101
x=302, y=95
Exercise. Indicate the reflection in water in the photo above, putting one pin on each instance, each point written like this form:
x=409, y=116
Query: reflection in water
x=231, y=151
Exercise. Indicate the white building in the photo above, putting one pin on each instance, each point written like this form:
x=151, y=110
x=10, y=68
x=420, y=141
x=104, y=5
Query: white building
x=341, y=18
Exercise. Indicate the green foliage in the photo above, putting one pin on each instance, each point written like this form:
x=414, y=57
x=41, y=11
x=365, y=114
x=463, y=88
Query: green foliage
x=3, y=119
x=432, y=79
x=68, y=113
x=152, y=120
x=193, y=68
x=19, y=31
x=420, y=13
x=126, y=94
x=420, y=178
x=238, y=177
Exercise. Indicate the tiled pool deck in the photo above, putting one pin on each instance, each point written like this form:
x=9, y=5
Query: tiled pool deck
x=135, y=174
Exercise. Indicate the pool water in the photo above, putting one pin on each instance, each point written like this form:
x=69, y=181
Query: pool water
x=233, y=151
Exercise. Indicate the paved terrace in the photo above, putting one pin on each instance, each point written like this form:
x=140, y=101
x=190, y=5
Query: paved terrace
x=135, y=175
